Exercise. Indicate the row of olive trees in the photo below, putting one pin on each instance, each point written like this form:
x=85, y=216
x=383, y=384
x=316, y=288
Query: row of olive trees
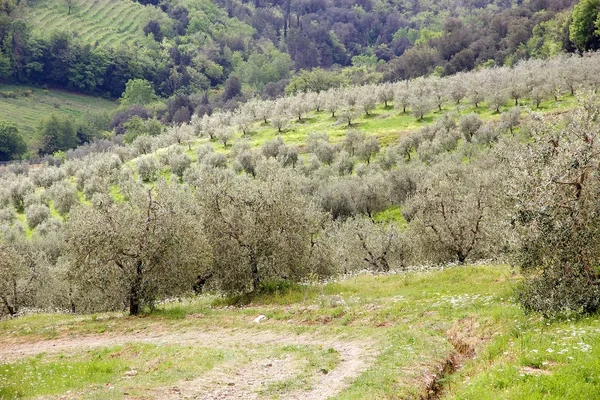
x=535, y=80
x=448, y=179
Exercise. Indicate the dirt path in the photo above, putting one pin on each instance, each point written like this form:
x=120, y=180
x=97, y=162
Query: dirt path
x=225, y=383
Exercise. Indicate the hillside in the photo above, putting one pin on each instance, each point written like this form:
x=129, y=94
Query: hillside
x=105, y=22
x=448, y=334
x=26, y=106
x=188, y=48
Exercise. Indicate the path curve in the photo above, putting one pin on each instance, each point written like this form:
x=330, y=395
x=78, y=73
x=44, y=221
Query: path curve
x=355, y=358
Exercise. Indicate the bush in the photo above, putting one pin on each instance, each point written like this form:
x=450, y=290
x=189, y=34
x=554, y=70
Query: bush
x=179, y=163
x=63, y=196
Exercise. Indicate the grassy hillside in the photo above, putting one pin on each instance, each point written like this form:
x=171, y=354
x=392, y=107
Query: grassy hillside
x=386, y=124
x=106, y=22
x=29, y=106
x=455, y=334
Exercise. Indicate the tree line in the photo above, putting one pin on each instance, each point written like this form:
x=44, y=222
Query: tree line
x=183, y=54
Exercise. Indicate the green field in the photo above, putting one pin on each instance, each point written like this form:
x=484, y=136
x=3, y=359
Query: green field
x=26, y=111
x=106, y=22
x=455, y=333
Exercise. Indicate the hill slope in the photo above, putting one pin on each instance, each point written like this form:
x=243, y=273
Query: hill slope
x=30, y=105
x=105, y=22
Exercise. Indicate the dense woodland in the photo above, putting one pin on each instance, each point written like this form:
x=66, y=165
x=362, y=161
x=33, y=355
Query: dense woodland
x=151, y=214
x=192, y=47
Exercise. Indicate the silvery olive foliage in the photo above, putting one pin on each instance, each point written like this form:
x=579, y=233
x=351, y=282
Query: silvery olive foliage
x=456, y=212
x=131, y=252
x=258, y=229
x=520, y=187
x=557, y=211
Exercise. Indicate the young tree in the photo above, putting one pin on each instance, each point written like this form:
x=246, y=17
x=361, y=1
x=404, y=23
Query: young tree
x=469, y=125
x=353, y=141
x=280, y=118
x=70, y=4
x=367, y=102
x=224, y=134
x=369, y=148
x=347, y=115
x=333, y=101
x=402, y=96
x=243, y=120
x=510, y=119
x=299, y=106
x=457, y=90
x=386, y=94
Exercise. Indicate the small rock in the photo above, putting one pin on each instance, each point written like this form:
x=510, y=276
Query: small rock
x=259, y=319
x=231, y=384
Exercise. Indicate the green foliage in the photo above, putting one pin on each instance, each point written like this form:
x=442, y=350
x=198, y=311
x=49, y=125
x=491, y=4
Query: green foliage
x=138, y=92
x=315, y=80
x=26, y=111
x=584, y=26
x=137, y=127
x=142, y=238
x=12, y=144
x=261, y=68
x=559, y=244
x=57, y=133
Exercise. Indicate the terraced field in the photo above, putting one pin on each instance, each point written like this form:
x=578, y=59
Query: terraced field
x=106, y=22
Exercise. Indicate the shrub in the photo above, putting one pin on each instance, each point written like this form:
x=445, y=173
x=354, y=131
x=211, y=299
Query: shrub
x=64, y=196
x=179, y=163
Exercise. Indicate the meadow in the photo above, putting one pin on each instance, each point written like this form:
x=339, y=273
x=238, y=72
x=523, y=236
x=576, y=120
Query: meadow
x=26, y=106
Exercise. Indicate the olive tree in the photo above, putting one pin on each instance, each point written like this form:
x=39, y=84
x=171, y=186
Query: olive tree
x=138, y=251
x=361, y=244
x=469, y=125
x=257, y=229
x=455, y=212
x=556, y=186
x=16, y=279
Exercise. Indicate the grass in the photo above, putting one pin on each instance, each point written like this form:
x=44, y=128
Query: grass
x=387, y=124
x=27, y=111
x=106, y=22
x=407, y=318
x=120, y=369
